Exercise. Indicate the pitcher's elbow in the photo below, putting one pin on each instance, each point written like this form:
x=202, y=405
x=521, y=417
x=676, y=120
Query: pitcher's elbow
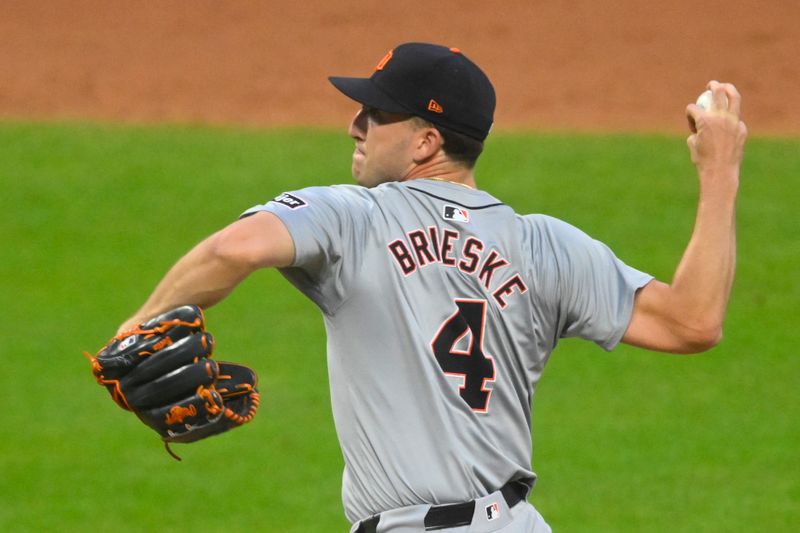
x=700, y=340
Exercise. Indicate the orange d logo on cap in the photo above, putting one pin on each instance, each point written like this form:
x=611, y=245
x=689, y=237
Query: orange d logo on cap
x=386, y=58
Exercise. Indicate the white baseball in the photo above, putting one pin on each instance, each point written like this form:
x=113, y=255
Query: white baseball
x=706, y=101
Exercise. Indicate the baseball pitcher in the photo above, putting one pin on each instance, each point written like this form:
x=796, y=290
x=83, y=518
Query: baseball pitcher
x=442, y=305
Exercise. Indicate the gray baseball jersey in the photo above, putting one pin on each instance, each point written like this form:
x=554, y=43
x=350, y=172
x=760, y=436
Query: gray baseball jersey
x=442, y=306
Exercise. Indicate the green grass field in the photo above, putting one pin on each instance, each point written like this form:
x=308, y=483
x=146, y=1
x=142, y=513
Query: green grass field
x=628, y=441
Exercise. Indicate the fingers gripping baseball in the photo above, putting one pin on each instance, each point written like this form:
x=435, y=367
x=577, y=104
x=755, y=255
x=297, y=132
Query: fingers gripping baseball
x=162, y=371
x=718, y=132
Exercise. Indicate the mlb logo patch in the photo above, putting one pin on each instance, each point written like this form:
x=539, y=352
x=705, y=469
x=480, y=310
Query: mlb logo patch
x=289, y=200
x=458, y=214
x=493, y=511
x=127, y=342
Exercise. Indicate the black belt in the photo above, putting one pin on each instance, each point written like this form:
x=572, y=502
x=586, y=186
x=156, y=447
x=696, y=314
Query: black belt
x=454, y=514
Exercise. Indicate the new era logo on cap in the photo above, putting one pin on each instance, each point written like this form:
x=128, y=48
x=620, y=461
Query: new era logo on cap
x=434, y=106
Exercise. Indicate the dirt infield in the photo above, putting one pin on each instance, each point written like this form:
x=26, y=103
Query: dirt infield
x=589, y=65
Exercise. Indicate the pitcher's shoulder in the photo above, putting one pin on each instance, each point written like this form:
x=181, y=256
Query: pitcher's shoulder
x=542, y=223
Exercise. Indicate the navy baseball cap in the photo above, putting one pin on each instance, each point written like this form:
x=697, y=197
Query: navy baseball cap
x=434, y=82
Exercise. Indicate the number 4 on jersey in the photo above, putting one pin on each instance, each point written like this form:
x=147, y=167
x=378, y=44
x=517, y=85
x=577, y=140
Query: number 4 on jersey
x=474, y=366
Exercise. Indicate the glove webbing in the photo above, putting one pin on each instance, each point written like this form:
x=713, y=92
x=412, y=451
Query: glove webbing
x=212, y=407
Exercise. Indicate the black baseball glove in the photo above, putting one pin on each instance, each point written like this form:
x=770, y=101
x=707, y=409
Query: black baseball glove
x=162, y=371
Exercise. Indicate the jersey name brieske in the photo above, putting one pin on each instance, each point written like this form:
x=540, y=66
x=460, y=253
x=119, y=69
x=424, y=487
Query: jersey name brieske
x=443, y=246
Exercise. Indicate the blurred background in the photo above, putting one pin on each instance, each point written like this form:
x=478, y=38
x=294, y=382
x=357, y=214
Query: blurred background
x=622, y=65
